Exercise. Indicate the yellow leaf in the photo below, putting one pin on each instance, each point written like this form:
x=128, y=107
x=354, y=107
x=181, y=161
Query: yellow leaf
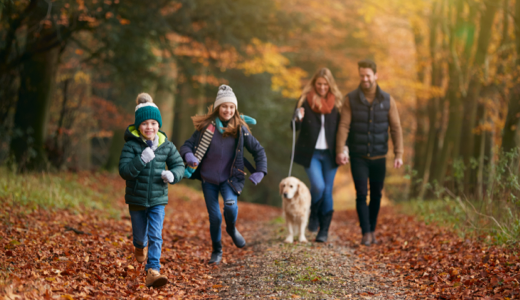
x=68, y=297
x=50, y=279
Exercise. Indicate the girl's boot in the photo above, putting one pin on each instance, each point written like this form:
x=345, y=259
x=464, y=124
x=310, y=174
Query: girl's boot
x=216, y=255
x=238, y=240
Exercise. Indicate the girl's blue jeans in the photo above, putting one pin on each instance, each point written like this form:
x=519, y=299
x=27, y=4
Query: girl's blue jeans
x=211, y=192
x=147, y=228
x=321, y=173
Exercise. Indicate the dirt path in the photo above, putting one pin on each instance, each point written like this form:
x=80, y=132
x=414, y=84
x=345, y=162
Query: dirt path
x=276, y=270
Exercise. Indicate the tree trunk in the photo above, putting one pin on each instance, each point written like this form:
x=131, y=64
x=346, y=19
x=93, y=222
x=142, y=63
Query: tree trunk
x=114, y=152
x=471, y=100
x=421, y=113
x=450, y=143
x=509, y=141
x=426, y=114
x=32, y=109
x=165, y=100
x=179, y=116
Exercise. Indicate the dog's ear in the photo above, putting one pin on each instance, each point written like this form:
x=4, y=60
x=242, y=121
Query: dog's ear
x=281, y=187
x=300, y=188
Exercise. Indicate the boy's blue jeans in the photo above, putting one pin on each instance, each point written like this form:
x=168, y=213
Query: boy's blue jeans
x=147, y=228
x=321, y=173
x=211, y=192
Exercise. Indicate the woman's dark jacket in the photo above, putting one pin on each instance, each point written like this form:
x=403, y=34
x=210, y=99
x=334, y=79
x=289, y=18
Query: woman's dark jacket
x=144, y=184
x=236, y=174
x=310, y=128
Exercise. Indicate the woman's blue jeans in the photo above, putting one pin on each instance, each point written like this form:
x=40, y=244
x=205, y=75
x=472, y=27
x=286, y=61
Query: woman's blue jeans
x=321, y=173
x=211, y=192
x=147, y=228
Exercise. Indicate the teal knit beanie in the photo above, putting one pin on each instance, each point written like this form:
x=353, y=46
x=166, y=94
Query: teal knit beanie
x=146, y=110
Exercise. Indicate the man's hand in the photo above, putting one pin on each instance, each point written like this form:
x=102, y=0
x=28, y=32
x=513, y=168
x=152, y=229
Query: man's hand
x=342, y=159
x=398, y=163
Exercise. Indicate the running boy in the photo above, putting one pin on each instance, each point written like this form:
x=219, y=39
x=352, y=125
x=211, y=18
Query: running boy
x=142, y=164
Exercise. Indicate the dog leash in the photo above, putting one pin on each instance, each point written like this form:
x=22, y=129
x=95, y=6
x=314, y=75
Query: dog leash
x=293, y=144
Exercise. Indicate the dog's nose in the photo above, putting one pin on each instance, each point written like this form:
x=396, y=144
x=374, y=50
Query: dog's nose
x=285, y=195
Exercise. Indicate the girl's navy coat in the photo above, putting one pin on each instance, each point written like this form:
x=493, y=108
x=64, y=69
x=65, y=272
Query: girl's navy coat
x=237, y=174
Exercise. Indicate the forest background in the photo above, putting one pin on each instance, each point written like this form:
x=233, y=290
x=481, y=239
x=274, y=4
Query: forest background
x=70, y=72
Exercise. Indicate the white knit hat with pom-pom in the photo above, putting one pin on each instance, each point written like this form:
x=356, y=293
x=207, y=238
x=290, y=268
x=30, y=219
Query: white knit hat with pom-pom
x=225, y=95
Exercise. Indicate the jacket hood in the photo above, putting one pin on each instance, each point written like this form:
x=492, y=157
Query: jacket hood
x=132, y=133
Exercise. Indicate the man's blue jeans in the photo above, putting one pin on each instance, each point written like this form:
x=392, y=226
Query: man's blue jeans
x=147, y=228
x=321, y=173
x=211, y=192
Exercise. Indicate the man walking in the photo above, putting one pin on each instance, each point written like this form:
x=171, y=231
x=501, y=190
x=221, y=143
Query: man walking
x=367, y=114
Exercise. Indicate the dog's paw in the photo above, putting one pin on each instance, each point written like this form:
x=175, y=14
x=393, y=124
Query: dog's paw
x=289, y=240
x=302, y=240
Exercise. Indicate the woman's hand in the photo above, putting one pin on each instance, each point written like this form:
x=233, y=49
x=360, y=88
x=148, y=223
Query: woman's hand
x=191, y=160
x=301, y=113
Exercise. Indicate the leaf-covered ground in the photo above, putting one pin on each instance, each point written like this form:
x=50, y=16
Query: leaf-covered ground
x=59, y=254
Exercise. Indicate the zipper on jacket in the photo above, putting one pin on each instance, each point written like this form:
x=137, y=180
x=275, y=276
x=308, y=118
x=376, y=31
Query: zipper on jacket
x=151, y=175
x=234, y=160
x=150, y=182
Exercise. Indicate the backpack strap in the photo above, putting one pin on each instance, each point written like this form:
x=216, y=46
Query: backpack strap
x=249, y=166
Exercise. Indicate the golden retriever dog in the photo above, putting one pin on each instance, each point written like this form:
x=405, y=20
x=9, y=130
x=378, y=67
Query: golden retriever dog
x=296, y=199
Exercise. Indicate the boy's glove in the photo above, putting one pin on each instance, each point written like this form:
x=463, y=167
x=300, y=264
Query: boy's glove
x=191, y=160
x=167, y=176
x=256, y=177
x=147, y=155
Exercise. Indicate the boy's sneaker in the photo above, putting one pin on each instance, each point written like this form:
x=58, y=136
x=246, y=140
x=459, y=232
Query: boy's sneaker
x=155, y=279
x=141, y=255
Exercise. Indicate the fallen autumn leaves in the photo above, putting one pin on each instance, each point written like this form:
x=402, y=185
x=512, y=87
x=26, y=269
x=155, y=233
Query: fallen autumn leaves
x=434, y=262
x=92, y=257
x=45, y=255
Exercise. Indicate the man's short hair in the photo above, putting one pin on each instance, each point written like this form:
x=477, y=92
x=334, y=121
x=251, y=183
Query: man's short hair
x=367, y=63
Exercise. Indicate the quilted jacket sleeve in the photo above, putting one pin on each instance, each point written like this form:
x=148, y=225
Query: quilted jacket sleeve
x=175, y=164
x=130, y=163
x=253, y=146
x=190, y=144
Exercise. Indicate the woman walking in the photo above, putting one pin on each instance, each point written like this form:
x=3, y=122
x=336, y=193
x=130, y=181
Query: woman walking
x=317, y=116
x=215, y=155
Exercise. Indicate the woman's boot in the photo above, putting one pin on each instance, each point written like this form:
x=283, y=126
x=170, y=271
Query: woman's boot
x=325, y=220
x=314, y=220
x=216, y=255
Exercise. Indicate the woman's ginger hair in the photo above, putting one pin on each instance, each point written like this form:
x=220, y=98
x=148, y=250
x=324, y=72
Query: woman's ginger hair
x=201, y=122
x=333, y=88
